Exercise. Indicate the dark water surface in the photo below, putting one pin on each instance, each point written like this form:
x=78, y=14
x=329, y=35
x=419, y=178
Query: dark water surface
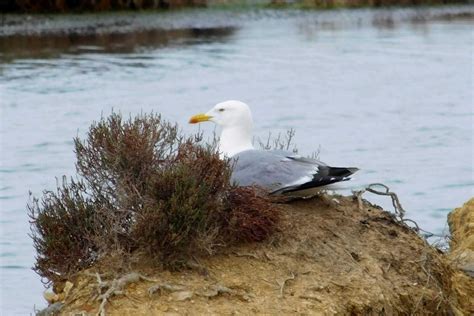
x=387, y=91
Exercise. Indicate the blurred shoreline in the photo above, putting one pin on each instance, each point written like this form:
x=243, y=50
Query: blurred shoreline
x=126, y=22
x=81, y=6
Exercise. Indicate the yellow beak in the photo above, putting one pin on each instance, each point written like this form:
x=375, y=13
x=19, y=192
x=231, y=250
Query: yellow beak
x=198, y=118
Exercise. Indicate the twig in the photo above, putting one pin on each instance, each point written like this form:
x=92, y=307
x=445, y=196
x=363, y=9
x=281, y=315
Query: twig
x=399, y=210
x=267, y=256
x=283, y=283
x=399, y=215
x=165, y=287
x=115, y=287
x=395, y=201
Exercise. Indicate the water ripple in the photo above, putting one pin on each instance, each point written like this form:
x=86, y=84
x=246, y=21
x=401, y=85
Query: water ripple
x=368, y=86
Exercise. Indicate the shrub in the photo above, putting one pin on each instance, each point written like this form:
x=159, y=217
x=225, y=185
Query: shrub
x=94, y=5
x=64, y=224
x=143, y=188
x=250, y=216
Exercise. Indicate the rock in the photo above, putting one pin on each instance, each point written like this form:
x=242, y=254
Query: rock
x=51, y=310
x=67, y=288
x=461, y=225
x=182, y=295
x=51, y=297
x=214, y=290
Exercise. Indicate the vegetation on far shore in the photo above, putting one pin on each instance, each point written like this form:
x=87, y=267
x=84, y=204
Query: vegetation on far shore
x=61, y=6
x=143, y=191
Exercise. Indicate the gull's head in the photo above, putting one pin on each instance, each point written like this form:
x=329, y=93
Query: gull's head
x=226, y=114
x=236, y=121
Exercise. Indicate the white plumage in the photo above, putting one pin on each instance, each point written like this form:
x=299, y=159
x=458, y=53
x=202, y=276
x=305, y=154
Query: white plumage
x=275, y=170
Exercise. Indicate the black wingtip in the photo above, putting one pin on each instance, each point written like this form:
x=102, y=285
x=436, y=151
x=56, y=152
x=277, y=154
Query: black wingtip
x=332, y=175
x=341, y=172
x=353, y=169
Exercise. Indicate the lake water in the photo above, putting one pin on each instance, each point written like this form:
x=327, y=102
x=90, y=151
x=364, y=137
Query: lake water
x=388, y=91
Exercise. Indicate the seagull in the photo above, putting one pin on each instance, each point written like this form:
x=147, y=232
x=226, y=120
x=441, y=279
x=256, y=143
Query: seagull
x=277, y=171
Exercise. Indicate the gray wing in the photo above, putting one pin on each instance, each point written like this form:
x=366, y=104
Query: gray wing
x=281, y=171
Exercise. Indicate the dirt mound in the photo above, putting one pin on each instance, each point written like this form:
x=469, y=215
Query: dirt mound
x=461, y=225
x=331, y=257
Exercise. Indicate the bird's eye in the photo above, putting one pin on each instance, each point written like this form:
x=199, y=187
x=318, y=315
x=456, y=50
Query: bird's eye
x=221, y=110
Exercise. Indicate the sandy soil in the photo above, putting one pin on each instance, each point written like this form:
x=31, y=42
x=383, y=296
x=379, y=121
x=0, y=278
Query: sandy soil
x=330, y=258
